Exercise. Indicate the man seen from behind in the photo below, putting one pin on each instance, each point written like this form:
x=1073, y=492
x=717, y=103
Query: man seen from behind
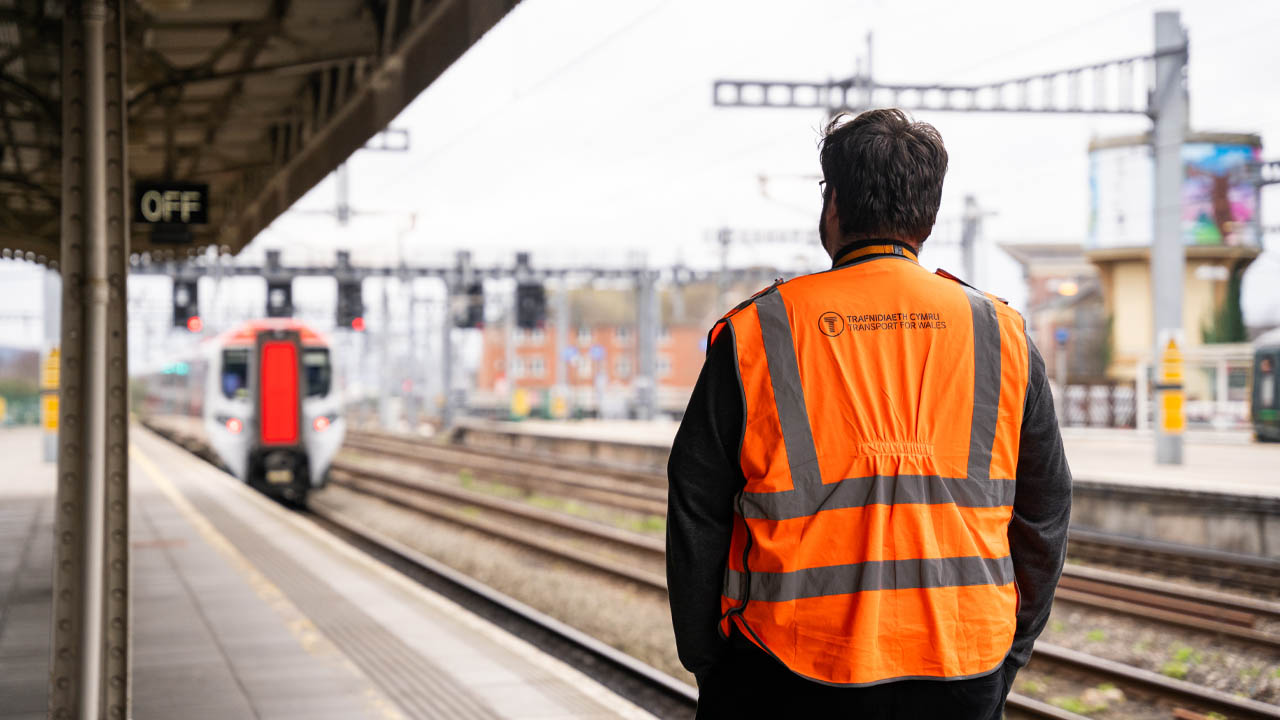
x=868, y=494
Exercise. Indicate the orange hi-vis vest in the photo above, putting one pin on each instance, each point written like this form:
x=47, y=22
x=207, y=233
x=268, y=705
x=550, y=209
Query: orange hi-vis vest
x=883, y=412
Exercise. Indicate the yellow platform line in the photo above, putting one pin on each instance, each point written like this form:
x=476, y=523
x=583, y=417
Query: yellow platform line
x=309, y=637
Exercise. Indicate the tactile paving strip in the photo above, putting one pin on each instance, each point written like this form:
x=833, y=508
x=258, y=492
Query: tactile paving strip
x=418, y=685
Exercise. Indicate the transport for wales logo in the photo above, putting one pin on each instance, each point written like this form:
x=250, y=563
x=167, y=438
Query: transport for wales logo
x=831, y=323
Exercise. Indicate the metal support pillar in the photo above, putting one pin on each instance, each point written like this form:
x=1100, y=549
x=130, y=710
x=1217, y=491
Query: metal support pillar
x=411, y=409
x=509, y=347
x=520, y=275
x=89, y=673
x=446, y=359
x=646, y=343
x=386, y=417
x=561, y=393
x=1168, y=257
x=725, y=238
x=1060, y=375
x=463, y=278
x=969, y=239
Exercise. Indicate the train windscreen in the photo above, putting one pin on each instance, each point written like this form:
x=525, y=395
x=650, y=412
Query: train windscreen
x=315, y=363
x=278, y=390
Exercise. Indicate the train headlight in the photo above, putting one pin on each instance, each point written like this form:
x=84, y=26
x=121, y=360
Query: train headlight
x=321, y=423
x=234, y=426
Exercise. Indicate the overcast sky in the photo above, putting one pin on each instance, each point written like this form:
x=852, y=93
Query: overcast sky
x=584, y=131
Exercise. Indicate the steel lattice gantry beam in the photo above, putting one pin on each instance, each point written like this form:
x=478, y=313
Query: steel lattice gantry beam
x=1119, y=86
x=259, y=99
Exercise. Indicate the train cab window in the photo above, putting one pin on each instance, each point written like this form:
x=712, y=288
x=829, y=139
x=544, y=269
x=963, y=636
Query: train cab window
x=235, y=374
x=1266, y=375
x=315, y=362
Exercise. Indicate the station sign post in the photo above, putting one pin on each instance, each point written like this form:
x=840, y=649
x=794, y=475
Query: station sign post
x=49, y=380
x=1170, y=411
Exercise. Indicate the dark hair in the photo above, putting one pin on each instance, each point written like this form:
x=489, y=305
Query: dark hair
x=886, y=171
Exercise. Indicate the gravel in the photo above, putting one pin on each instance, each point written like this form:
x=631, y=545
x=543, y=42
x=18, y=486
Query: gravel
x=1201, y=658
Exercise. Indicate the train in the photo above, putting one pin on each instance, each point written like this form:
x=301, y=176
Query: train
x=1265, y=405
x=271, y=411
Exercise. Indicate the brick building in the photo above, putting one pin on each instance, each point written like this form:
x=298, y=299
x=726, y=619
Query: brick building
x=602, y=349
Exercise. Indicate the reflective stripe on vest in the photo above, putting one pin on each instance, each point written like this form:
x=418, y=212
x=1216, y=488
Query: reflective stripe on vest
x=800, y=562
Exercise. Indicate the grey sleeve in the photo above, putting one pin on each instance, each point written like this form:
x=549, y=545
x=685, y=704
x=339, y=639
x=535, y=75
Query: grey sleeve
x=1041, y=512
x=704, y=475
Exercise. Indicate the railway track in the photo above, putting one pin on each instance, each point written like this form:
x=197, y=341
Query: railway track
x=645, y=492
x=606, y=485
x=640, y=683
x=600, y=548
x=639, y=558
x=1248, y=572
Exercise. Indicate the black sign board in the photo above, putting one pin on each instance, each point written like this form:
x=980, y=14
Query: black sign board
x=170, y=203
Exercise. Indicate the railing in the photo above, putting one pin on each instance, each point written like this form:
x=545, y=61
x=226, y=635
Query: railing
x=1099, y=405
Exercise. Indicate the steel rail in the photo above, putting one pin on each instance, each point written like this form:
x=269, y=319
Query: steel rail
x=586, y=483
x=1227, y=601
x=423, y=498
x=631, y=475
x=1183, y=693
x=1248, y=571
x=638, y=474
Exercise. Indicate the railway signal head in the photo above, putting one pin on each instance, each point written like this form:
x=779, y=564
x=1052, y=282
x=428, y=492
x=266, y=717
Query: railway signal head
x=195, y=324
x=186, y=303
x=472, y=312
x=279, y=298
x=350, y=305
x=531, y=305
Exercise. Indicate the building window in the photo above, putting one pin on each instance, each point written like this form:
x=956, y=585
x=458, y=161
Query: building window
x=622, y=334
x=582, y=364
x=584, y=335
x=622, y=367
x=664, y=365
x=530, y=336
x=517, y=367
x=536, y=367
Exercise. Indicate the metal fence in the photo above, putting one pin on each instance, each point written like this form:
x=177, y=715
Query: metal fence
x=1099, y=405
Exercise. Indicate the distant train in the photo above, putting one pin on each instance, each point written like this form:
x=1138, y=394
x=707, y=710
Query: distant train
x=271, y=410
x=1265, y=408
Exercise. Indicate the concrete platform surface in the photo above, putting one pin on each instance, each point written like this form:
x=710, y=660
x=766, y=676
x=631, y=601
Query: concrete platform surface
x=245, y=609
x=26, y=574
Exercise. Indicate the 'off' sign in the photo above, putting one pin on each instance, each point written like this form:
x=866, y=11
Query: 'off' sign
x=171, y=203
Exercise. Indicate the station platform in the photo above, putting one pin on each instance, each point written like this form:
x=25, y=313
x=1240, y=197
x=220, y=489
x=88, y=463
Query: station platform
x=243, y=608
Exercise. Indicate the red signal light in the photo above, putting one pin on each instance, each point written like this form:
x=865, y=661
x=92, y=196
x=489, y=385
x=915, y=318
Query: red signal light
x=195, y=324
x=234, y=426
x=357, y=324
x=321, y=423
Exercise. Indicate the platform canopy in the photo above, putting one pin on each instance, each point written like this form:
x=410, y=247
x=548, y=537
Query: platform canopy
x=258, y=99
